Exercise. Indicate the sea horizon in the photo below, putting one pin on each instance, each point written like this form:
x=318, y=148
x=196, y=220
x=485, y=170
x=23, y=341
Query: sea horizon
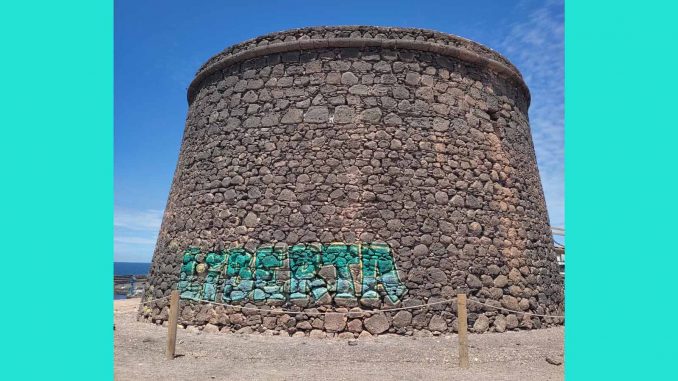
x=131, y=268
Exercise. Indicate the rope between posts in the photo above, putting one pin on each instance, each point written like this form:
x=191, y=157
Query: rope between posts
x=154, y=300
x=365, y=312
x=317, y=313
x=518, y=312
x=142, y=303
x=361, y=312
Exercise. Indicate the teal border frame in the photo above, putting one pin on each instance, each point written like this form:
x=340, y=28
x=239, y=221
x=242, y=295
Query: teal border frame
x=620, y=134
x=56, y=207
x=57, y=195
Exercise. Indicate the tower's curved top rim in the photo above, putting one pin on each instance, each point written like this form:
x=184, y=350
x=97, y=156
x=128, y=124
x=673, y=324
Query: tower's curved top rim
x=358, y=36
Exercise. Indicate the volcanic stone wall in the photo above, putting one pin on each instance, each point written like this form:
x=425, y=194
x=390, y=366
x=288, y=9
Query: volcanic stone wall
x=349, y=170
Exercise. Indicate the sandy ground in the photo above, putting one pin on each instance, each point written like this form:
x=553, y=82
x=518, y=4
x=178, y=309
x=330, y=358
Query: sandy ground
x=140, y=355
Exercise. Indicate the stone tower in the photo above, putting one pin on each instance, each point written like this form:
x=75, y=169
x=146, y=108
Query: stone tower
x=343, y=170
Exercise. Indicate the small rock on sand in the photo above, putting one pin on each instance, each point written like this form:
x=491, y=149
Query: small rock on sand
x=554, y=359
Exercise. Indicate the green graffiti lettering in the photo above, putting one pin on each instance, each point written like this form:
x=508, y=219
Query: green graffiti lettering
x=304, y=261
x=341, y=256
x=268, y=260
x=188, y=285
x=379, y=270
x=239, y=275
x=215, y=262
x=302, y=274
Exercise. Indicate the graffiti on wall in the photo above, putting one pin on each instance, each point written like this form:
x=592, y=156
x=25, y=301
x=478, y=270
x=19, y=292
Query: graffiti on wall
x=302, y=274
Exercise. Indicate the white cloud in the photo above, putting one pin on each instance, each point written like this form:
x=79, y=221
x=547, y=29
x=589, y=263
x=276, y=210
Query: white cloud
x=126, y=252
x=148, y=219
x=135, y=234
x=134, y=240
x=536, y=47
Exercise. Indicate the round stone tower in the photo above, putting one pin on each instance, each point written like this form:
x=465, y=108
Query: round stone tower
x=347, y=171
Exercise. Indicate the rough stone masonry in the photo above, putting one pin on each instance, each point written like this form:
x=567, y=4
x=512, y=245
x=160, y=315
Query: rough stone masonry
x=348, y=170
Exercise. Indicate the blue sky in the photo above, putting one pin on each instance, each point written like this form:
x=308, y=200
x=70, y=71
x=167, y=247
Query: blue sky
x=159, y=45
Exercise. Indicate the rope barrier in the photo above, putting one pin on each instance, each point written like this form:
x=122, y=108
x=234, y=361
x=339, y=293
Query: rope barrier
x=518, y=312
x=142, y=303
x=314, y=313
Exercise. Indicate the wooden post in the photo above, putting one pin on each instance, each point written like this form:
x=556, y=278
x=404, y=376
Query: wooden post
x=462, y=327
x=172, y=324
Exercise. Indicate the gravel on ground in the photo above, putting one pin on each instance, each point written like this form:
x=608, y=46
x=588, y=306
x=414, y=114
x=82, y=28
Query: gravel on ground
x=139, y=349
